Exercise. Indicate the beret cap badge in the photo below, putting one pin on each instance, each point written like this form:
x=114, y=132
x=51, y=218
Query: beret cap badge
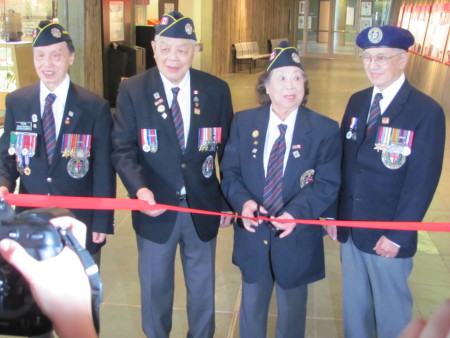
x=385, y=37
x=375, y=35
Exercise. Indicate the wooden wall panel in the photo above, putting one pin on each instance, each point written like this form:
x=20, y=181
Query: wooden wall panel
x=244, y=21
x=94, y=48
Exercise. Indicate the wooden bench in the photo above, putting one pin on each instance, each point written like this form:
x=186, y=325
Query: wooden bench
x=247, y=52
x=275, y=42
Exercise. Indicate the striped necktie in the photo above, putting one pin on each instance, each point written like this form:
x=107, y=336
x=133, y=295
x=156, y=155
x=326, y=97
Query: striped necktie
x=273, y=197
x=49, y=126
x=177, y=118
x=374, y=112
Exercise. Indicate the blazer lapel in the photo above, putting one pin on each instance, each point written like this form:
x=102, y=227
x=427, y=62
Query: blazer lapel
x=198, y=102
x=395, y=108
x=298, y=151
x=257, y=135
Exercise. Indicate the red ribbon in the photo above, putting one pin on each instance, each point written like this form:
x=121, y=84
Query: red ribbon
x=103, y=203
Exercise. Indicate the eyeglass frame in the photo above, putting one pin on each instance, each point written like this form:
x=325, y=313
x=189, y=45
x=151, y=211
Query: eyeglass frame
x=379, y=60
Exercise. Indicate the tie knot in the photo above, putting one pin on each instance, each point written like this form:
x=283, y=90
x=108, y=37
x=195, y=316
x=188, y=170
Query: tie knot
x=175, y=91
x=282, y=127
x=377, y=98
x=50, y=98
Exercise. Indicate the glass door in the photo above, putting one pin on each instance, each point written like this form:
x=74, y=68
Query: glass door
x=328, y=28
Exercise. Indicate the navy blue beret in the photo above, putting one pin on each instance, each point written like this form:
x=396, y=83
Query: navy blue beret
x=49, y=34
x=385, y=36
x=283, y=55
x=175, y=25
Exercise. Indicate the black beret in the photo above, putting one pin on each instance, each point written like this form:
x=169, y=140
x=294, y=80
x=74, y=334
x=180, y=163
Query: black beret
x=175, y=25
x=283, y=55
x=385, y=36
x=49, y=33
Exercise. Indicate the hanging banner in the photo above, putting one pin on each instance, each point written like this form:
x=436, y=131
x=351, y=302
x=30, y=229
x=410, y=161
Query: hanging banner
x=437, y=32
x=418, y=23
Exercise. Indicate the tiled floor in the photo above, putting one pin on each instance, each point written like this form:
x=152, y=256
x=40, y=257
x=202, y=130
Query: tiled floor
x=331, y=83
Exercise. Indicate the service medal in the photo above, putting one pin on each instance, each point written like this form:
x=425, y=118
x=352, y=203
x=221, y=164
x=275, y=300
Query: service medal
x=392, y=160
x=351, y=132
x=76, y=146
x=307, y=177
x=208, y=167
x=77, y=167
x=406, y=151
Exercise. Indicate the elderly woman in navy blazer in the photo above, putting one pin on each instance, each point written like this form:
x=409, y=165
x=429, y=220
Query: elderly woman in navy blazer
x=282, y=160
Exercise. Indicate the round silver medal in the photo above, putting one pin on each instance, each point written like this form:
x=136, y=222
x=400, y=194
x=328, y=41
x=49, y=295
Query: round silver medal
x=208, y=167
x=77, y=167
x=406, y=151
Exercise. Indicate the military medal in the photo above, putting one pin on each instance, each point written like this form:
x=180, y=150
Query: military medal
x=149, y=140
x=306, y=178
x=19, y=164
x=23, y=145
x=208, y=167
x=27, y=170
x=78, y=148
x=351, y=134
x=209, y=138
x=12, y=143
x=395, y=145
x=77, y=167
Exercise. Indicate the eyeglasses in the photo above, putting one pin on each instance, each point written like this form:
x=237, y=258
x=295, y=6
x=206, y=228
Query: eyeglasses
x=380, y=60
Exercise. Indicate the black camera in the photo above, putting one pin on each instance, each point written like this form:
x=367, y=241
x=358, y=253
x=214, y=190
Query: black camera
x=19, y=314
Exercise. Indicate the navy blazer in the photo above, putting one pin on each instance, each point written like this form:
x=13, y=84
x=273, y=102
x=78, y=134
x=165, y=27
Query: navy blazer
x=142, y=104
x=85, y=113
x=298, y=258
x=373, y=192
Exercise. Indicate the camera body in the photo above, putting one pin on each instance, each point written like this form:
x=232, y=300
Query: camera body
x=19, y=314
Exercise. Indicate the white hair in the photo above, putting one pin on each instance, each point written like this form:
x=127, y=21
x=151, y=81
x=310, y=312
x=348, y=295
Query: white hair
x=157, y=37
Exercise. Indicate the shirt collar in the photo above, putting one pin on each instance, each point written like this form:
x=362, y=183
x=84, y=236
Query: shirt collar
x=60, y=91
x=169, y=85
x=390, y=92
x=274, y=120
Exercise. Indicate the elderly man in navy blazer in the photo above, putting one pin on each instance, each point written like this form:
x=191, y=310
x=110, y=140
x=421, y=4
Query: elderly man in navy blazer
x=393, y=138
x=171, y=124
x=57, y=135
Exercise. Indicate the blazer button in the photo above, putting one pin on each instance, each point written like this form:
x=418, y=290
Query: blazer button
x=49, y=180
x=265, y=242
x=183, y=166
